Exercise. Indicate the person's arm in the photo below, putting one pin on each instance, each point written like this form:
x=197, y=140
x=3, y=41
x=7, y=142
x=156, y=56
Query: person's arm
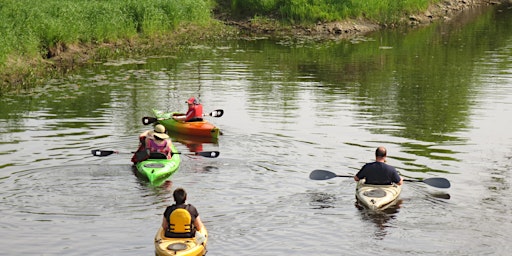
x=181, y=118
x=357, y=177
x=401, y=181
x=191, y=113
x=198, y=223
x=168, y=148
x=165, y=225
x=144, y=134
x=397, y=177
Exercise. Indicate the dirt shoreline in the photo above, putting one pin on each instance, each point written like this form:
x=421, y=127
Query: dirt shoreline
x=65, y=58
x=442, y=11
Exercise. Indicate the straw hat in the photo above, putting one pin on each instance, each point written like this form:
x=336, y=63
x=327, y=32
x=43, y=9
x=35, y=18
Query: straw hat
x=159, y=132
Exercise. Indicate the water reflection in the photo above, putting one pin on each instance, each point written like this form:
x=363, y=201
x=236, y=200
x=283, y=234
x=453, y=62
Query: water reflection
x=321, y=200
x=380, y=218
x=193, y=143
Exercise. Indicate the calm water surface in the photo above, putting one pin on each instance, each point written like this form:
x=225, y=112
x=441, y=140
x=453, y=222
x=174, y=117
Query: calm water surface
x=439, y=98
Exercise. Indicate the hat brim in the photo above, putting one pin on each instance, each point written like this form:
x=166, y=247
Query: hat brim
x=162, y=136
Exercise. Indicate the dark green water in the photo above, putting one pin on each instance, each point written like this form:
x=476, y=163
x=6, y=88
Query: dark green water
x=439, y=98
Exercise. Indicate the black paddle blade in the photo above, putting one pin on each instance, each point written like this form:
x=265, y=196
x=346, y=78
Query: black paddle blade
x=437, y=182
x=100, y=153
x=148, y=120
x=322, y=175
x=217, y=113
x=210, y=154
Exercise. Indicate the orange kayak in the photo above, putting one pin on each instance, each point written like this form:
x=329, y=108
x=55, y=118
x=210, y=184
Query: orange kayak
x=198, y=128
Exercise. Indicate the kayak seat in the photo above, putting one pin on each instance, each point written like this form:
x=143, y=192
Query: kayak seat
x=157, y=155
x=180, y=225
x=195, y=119
x=375, y=193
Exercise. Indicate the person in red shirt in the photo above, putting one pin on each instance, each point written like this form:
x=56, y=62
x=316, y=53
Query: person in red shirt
x=194, y=113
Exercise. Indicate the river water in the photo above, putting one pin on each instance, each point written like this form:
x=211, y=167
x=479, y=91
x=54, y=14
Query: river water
x=439, y=98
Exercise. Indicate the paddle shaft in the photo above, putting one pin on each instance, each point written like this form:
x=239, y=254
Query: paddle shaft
x=102, y=153
x=149, y=120
x=324, y=175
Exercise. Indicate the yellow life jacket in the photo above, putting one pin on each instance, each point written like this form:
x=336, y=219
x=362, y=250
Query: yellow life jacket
x=180, y=222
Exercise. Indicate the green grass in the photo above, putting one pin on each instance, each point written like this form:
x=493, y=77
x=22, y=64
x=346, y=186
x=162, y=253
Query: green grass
x=29, y=28
x=311, y=11
x=34, y=31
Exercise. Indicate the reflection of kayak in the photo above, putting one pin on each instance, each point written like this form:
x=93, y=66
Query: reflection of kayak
x=377, y=197
x=158, y=168
x=198, y=128
x=193, y=143
x=190, y=139
x=181, y=246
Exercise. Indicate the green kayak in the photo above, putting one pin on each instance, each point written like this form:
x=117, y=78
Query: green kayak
x=158, y=168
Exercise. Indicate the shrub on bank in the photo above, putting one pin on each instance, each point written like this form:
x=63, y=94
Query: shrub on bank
x=32, y=29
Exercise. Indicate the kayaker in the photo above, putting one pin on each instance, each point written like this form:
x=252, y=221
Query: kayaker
x=378, y=172
x=194, y=113
x=151, y=141
x=177, y=225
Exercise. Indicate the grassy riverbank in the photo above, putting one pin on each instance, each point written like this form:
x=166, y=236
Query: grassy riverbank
x=35, y=32
x=42, y=39
x=312, y=11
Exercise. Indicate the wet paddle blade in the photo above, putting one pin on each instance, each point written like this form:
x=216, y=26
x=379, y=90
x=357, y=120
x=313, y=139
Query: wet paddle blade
x=217, y=113
x=210, y=154
x=100, y=153
x=322, y=175
x=148, y=120
x=437, y=182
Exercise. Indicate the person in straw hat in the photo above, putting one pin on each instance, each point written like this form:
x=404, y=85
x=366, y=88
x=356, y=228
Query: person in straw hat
x=155, y=140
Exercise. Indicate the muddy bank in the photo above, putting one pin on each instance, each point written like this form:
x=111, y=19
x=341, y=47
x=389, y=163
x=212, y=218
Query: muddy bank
x=442, y=11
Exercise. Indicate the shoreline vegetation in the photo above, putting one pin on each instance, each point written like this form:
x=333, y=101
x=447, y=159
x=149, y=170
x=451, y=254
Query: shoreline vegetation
x=46, y=39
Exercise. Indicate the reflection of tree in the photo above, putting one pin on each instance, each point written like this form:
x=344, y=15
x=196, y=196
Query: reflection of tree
x=380, y=218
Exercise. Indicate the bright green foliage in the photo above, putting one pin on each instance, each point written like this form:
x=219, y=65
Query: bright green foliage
x=29, y=28
x=310, y=11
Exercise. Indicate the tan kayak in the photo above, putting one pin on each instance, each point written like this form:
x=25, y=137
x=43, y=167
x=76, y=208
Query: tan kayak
x=377, y=197
x=195, y=246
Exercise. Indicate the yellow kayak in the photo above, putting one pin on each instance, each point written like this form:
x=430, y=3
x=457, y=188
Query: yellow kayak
x=195, y=246
x=377, y=197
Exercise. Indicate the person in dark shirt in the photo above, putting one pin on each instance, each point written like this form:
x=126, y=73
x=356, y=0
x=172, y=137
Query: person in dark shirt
x=378, y=172
x=195, y=224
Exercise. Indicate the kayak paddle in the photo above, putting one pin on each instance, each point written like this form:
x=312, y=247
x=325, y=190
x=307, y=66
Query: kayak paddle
x=325, y=175
x=101, y=153
x=434, y=182
x=149, y=120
